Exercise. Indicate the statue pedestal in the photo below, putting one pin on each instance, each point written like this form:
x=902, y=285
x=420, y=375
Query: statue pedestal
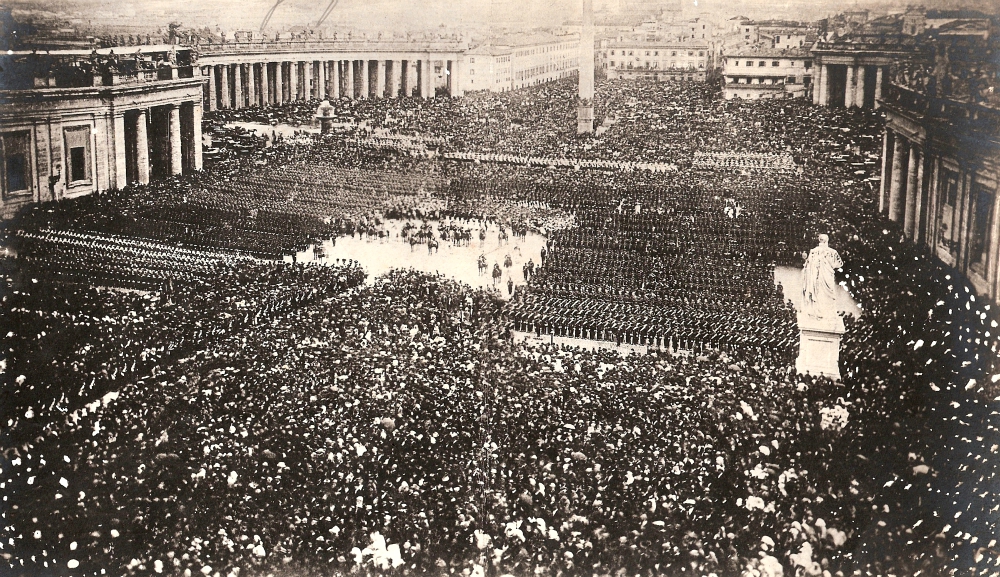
x=819, y=345
x=585, y=118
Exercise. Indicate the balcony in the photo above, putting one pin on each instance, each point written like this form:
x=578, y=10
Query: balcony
x=731, y=83
x=964, y=116
x=74, y=77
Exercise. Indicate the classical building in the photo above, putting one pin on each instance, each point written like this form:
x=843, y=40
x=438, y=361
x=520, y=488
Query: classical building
x=941, y=168
x=763, y=72
x=521, y=60
x=657, y=61
x=489, y=68
x=77, y=122
x=539, y=58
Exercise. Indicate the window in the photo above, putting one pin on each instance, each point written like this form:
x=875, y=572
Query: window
x=981, y=225
x=951, y=187
x=472, y=60
x=612, y=63
x=656, y=53
x=647, y=53
x=774, y=63
x=736, y=62
x=790, y=80
x=78, y=157
x=674, y=53
x=701, y=53
x=749, y=62
x=762, y=64
x=808, y=64
x=472, y=71
x=77, y=164
x=15, y=148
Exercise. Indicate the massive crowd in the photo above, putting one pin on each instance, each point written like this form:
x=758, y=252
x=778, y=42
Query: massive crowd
x=960, y=68
x=284, y=417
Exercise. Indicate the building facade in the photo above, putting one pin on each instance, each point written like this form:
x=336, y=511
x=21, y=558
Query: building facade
x=489, y=68
x=941, y=169
x=656, y=61
x=762, y=72
x=540, y=58
x=123, y=126
x=853, y=74
x=519, y=61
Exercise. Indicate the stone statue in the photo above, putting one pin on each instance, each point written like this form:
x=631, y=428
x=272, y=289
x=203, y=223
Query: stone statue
x=818, y=282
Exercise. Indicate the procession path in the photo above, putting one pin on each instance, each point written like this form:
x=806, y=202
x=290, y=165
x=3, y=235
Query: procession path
x=379, y=256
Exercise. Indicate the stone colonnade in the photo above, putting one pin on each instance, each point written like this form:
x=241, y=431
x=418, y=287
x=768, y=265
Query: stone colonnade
x=945, y=202
x=855, y=84
x=156, y=142
x=241, y=85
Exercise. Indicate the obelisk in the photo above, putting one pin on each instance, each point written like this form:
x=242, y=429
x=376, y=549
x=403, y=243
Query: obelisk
x=585, y=100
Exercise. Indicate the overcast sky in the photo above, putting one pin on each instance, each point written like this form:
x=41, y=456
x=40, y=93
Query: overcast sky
x=414, y=14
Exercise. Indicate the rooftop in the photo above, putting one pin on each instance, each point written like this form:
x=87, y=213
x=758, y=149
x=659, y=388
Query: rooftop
x=961, y=13
x=119, y=50
x=532, y=39
x=779, y=24
x=765, y=51
x=642, y=43
x=488, y=50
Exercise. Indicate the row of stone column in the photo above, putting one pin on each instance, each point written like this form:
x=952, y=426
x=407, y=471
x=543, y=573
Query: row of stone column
x=180, y=150
x=275, y=83
x=937, y=201
x=905, y=171
x=857, y=77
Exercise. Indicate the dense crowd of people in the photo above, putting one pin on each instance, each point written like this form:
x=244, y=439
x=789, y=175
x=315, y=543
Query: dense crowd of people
x=959, y=68
x=287, y=417
x=71, y=343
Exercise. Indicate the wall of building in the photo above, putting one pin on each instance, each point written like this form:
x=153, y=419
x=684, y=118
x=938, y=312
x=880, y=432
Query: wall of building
x=488, y=71
x=539, y=63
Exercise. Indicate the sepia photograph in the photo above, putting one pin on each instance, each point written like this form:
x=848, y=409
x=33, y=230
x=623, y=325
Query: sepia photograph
x=499, y=288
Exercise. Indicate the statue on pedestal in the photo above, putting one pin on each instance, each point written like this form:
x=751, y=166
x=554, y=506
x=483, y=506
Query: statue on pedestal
x=820, y=328
x=819, y=284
